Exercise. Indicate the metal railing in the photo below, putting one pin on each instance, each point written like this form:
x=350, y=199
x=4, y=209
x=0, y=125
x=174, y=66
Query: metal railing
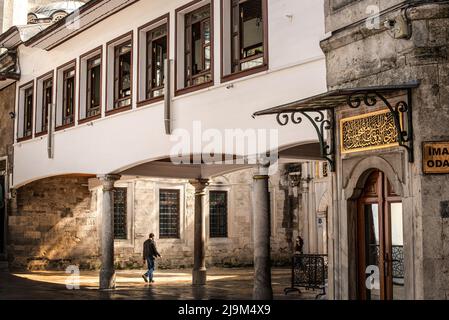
x=309, y=271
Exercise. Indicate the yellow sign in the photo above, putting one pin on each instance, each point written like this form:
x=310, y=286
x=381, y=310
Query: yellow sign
x=370, y=131
x=436, y=157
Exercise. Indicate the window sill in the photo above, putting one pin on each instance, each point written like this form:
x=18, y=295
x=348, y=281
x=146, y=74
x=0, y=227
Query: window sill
x=40, y=134
x=24, y=139
x=118, y=110
x=245, y=73
x=190, y=89
x=85, y=120
x=66, y=126
x=149, y=101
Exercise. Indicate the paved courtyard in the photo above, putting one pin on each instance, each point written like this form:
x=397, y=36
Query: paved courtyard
x=223, y=284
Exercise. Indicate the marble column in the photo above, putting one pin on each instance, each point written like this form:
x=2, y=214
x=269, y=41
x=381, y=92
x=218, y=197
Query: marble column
x=199, y=250
x=261, y=234
x=107, y=272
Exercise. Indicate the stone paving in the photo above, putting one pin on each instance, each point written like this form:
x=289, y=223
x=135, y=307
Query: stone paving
x=223, y=284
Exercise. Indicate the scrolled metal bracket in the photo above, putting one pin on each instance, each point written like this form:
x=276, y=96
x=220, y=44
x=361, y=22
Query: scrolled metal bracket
x=323, y=120
x=399, y=110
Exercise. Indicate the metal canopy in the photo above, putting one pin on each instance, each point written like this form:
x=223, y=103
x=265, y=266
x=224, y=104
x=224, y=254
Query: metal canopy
x=320, y=111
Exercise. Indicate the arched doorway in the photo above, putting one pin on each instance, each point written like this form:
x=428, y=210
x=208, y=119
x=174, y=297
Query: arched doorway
x=380, y=241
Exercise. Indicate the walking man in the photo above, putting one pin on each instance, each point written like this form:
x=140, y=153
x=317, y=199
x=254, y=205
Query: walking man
x=149, y=254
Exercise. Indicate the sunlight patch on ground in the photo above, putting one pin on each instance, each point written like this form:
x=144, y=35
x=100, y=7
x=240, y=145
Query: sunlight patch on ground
x=90, y=279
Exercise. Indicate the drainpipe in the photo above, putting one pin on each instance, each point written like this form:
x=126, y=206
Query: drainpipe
x=167, y=97
x=50, y=139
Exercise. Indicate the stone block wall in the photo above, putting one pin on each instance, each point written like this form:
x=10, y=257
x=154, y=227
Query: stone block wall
x=7, y=99
x=54, y=225
x=357, y=56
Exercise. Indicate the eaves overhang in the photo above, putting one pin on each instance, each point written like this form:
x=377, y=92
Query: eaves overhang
x=320, y=111
x=78, y=21
x=16, y=35
x=336, y=98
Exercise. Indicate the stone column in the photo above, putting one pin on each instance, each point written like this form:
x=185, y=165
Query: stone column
x=107, y=272
x=261, y=231
x=199, y=250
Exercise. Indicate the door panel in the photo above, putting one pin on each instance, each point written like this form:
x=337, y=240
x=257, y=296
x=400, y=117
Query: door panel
x=380, y=241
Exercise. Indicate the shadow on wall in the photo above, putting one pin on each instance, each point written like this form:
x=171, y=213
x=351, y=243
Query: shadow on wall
x=55, y=226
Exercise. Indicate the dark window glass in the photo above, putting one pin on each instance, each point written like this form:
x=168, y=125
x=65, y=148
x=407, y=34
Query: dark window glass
x=169, y=214
x=198, y=46
x=68, y=97
x=120, y=213
x=156, y=56
x=247, y=34
x=47, y=100
x=122, y=75
x=93, y=86
x=28, y=113
x=218, y=214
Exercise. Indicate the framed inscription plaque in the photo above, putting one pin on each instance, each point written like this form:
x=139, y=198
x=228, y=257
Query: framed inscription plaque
x=436, y=157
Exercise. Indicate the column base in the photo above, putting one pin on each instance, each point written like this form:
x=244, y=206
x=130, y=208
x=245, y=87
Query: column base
x=199, y=277
x=263, y=294
x=107, y=279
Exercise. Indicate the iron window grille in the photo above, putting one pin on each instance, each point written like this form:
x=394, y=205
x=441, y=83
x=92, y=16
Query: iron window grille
x=122, y=75
x=120, y=213
x=93, y=86
x=218, y=214
x=68, y=97
x=169, y=213
x=156, y=54
x=28, y=113
x=198, y=43
x=247, y=34
x=47, y=100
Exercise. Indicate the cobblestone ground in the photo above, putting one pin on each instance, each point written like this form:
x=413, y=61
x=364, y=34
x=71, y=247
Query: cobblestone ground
x=223, y=284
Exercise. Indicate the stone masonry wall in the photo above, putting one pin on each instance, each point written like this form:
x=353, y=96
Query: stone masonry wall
x=359, y=57
x=54, y=225
x=7, y=98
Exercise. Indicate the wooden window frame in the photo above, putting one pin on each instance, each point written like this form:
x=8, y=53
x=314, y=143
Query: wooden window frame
x=23, y=90
x=85, y=58
x=71, y=65
x=221, y=236
x=113, y=45
x=150, y=62
x=143, y=32
x=118, y=73
x=49, y=76
x=244, y=73
x=178, y=226
x=68, y=77
x=192, y=88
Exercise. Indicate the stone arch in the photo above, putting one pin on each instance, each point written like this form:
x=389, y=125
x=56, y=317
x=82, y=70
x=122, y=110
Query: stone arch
x=325, y=202
x=353, y=186
x=362, y=170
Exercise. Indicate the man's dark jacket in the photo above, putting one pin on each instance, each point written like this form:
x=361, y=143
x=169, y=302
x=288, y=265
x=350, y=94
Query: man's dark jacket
x=149, y=249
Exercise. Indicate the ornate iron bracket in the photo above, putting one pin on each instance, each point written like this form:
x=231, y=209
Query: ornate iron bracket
x=323, y=120
x=400, y=110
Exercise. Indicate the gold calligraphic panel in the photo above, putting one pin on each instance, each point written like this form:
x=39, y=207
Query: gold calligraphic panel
x=370, y=131
x=436, y=157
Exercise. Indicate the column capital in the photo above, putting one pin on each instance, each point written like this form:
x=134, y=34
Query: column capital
x=199, y=184
x=261, y=171
x=108, y=180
